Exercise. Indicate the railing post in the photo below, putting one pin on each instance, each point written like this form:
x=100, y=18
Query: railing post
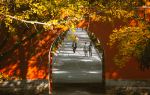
x=50, y=71
x=50, y=64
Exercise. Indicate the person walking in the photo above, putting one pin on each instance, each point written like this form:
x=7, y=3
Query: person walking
x=90, y=49
x=74, y=46
x=85, y=49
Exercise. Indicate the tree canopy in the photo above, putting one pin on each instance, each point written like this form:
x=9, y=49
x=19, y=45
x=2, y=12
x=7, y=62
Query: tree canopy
x=18, y=15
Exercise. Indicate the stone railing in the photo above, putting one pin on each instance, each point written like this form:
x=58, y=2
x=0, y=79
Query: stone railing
x=24, y=87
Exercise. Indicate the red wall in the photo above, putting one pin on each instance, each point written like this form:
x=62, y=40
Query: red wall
x=30, y=59
x=131, y=70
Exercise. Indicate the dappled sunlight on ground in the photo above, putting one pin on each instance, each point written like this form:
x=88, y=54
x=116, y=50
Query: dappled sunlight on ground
x=76, y=67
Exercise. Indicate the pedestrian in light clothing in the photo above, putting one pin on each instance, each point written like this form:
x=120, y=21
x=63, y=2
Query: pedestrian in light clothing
x=85, y=49
x=90, y=49
x=76, y=38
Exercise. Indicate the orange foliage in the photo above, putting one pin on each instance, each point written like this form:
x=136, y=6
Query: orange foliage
x=64, y=28
x=47, y=38
x=33, y=58
x=41, y=74
x=133, y=23
x=32, y=72
x=141, y=12
x=144, y=12
x=10, y=70
x=30, y=59
x=83, y=24
x=147, y=15
x=114, y=75
x=32, y=62
x=111, y=75
x=148, y=3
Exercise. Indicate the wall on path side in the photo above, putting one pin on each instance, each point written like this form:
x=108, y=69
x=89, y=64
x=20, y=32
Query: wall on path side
x=131, y=70
x=29, y=60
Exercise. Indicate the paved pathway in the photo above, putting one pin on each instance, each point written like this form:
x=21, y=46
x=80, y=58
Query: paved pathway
x=74, y=69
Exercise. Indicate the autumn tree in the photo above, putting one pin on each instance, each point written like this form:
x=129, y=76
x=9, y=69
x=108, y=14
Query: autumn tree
x=26, y=18
x=132, y=38
x=21, y=17
x=23, y=20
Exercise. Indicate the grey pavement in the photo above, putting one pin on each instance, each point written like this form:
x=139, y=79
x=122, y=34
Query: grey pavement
x=71, y=69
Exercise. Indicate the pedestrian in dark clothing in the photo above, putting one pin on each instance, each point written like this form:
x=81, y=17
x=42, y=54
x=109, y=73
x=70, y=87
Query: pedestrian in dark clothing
x=74, y=46
x=90, y=49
